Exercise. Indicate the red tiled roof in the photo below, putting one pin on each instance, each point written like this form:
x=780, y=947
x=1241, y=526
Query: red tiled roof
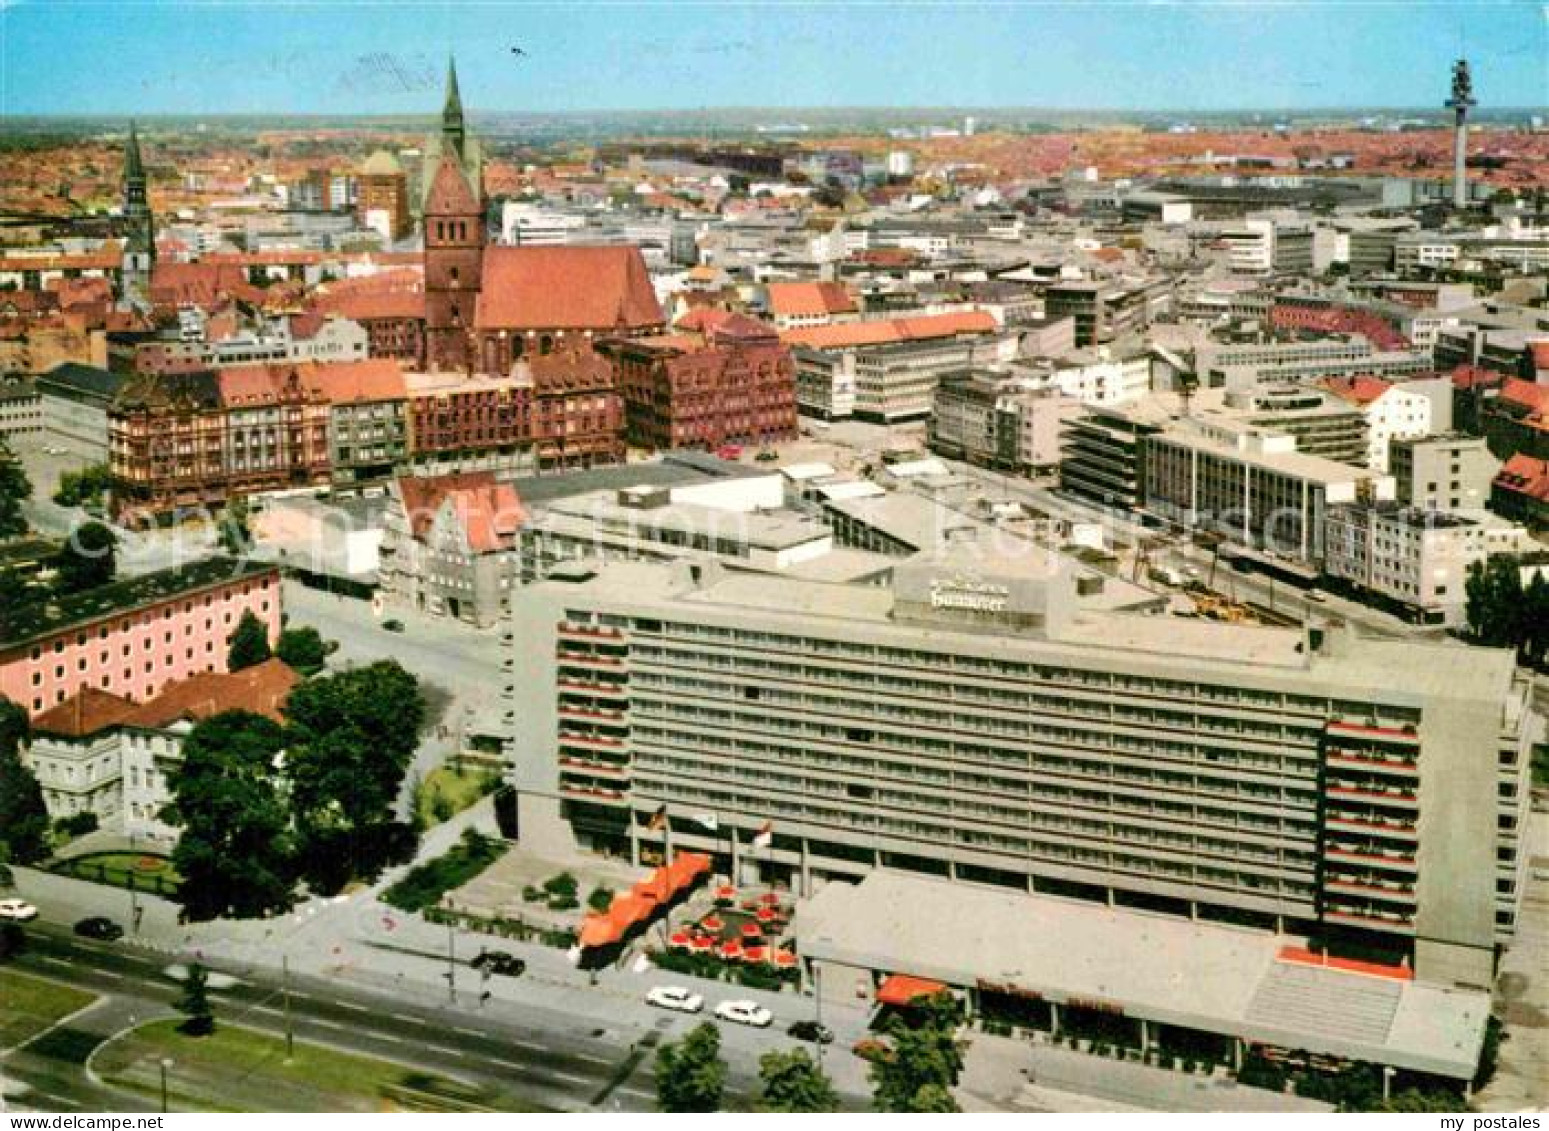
x=717, y=324
x=364, y=306
x=262, y=689
x=1361, y=390
x=1473, y=377
x=1539, y=352
x=490, y=513
x=1521, y=475
x=85, y=713
x=892, y=330
x=810, y=298
x=1533, y=397
x=343, y=382
x=566, y=288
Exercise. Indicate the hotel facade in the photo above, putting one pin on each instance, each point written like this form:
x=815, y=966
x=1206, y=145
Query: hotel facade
x=992, y=724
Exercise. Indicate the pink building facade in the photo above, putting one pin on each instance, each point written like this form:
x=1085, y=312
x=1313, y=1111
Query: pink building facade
x=135, y=637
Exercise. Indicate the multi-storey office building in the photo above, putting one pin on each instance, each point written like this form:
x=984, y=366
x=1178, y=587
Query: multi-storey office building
x=985, y=719
x=1249, y=483
x=1448, y=472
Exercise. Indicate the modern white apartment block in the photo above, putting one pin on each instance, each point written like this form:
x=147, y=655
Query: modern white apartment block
x=1416, y=558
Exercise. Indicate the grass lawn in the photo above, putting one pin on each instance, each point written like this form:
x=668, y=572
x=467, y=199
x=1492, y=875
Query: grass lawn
x=151, y=872
x=30, y=1005
x=449, y=790
x=237, y=1069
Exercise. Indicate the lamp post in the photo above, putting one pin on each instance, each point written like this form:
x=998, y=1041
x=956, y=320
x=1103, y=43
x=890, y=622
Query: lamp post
x=451, y=961
x=1388, y=1072
x=166, y=1063
x=817, y=990
x=290, y=1032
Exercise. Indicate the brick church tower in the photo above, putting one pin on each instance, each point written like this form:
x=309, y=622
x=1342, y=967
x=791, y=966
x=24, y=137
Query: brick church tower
x=454, y=242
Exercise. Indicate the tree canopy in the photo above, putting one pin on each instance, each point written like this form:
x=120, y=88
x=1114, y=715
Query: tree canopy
x=1504, y=613
x=15, y=489
x=690, y=1074
x=924, y=1060
x=23, y=815
x=350, y=739
x=236, y=853
x=793, y=1082
x=88, y=558
x=302, y=648
x=248, y=644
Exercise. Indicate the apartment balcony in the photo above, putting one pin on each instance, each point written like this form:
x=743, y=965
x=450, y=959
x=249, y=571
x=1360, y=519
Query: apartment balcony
x=1395, y=797
x=1389, y=891
x=1398, y=767
x=586, y=659
x=591, y=792
x=1371, y=919
x=614, y=770
x=1373, y=826
x=595, y=741
x=589, y=714
x=588, y=632
x=1365, y=732
x=613, y=690
x=1371, y=858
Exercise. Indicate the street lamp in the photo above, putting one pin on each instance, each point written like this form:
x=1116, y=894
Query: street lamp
x=166, y=1063
x=1388, y=1072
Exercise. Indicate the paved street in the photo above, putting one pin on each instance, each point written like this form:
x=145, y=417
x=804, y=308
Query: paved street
x=376, y=982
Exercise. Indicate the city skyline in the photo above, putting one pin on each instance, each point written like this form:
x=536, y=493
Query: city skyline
x=326, y=58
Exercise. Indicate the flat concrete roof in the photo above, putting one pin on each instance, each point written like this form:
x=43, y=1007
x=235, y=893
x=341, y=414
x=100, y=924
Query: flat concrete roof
x=1204, y=976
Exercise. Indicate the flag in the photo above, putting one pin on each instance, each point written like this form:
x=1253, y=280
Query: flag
x=708, y=820
x=765, y=835
x=658, y=820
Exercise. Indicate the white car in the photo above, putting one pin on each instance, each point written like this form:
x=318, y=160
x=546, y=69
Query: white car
x=745, y=1013
x=675, y=997
x=17, y=910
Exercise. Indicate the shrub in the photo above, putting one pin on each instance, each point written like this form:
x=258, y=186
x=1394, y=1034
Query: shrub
x=77, y=824
x=563, y=903
x=600, y=898
x=427, y=883
x=562, y=884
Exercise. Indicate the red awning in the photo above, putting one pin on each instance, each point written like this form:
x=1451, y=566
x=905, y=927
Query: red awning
x=903, y=989
x=600, y=930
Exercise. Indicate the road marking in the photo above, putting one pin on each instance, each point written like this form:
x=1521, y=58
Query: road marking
x=352, y=1007
x=569, y=1077
x=470, y=1032
x=641, y=1092
x=110, y=975
x=406, y=1017
x=448, y=1051
x=590, y=1059
x=386, y=1037
x=325, y=1023
x=55, y=961
x=265, y=1009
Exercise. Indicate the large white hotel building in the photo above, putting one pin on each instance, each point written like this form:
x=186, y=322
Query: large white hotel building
x=986, y=721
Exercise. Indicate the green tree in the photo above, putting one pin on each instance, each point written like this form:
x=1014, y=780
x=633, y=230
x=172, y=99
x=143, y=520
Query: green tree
x=1493, y=601
x=350, y=739
x=1535, y=621
x=87, y=486
x=792, y=1082
x=88, y=559
x=23, y=816
x=17, y=597
x=248, y=645
x=1414, y=1101
x=194, y=1003
x=302, y=648
x=236, y=853
x=15, y=489
x=690, y=1074
x=924, y=1061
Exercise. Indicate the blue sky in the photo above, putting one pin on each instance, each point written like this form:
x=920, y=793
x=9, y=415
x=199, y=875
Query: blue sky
x=337, y=56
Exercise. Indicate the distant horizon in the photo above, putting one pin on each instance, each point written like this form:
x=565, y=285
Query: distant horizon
x=384, y=59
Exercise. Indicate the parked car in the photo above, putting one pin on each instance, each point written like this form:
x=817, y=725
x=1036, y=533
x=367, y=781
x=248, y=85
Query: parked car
x=99, y=927
x=768, y=455
x=392, y=624
x=814, y=1031
x=745, y=1013
x=17, y=910
x=499, y=962
x=1317, y=596
x=675, y=997
x=872, y=1049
